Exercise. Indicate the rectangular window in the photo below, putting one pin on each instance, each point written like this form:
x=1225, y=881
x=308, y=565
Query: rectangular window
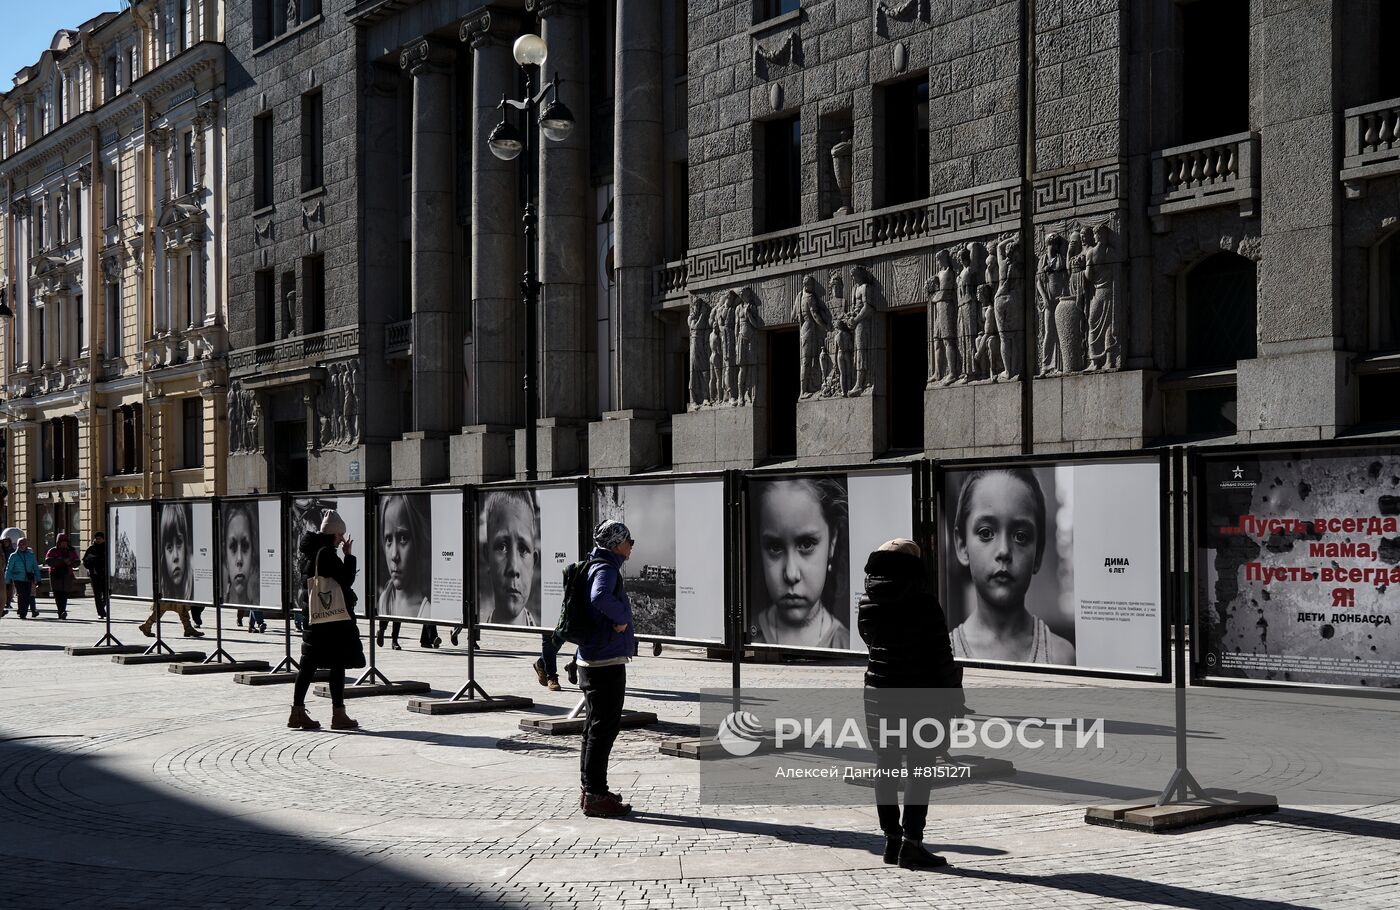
x=113, y=306
x=312, y=155
x=187, y=162
x=48, y=437
x=182, y=24
x=262, y=161
x=111, y=195
x=76, y=208
x=80, y=317
x=126, y=439
x=68, y=470
x=1214, y=86
x=110, y=78
x=266, y=303
x=680, y=211
x=782, y=173
x=906, y=142
x=192, y=433
x=313, y=279
x=770, y=9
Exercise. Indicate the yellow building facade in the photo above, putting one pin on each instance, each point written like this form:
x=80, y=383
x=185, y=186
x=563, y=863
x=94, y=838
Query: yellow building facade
x=112, y=267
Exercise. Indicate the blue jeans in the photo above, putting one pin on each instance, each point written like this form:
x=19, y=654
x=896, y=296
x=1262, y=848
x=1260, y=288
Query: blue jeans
x=549, y=654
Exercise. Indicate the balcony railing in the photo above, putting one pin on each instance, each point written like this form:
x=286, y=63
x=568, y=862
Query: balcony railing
x=1372, y=143
x=296, y=351
x=1204, y=175
x=669, y=280
x=398, y=339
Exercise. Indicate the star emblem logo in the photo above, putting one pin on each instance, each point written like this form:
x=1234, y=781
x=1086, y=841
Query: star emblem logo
x=1238, y=472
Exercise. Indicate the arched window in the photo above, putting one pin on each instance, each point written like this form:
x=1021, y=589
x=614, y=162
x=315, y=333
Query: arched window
x=1220, y=312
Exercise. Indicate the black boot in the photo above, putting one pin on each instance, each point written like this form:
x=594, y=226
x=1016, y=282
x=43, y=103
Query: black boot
x=892, y=844
x=913, y=855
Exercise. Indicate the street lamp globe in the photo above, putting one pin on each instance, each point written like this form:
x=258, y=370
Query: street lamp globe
x=557, y=121
x=505, y=141
x=530, y=50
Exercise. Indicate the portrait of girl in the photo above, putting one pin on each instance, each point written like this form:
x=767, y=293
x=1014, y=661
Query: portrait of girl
x=176, y=552
x=999, y=532
x=240, y=553
x=405, y=552
x=799, y=590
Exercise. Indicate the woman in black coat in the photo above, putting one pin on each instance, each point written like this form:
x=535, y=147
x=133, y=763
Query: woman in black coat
x=333, y=646
x=903, y=627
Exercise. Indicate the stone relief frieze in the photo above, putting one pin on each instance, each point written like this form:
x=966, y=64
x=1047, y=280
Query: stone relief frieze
x=1079, y=297
x=724, y=350
x=911, y=14
x=775, y=59
x=244, y=419
x=974, y=313
x=337, y=407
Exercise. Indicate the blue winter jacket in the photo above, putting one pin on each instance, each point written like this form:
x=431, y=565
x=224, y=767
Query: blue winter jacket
x=22, y=565
x=607, y=595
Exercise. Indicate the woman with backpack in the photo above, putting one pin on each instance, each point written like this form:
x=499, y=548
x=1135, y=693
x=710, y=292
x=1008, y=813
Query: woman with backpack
x=22, y=571
x=602, y=666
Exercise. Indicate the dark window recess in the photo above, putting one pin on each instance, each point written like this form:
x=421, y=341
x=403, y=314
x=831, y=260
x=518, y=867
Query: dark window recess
x=405, y=279
x=287, y=298
x=265, y=299
x=313, y=272
x=782, y=173
x=1379, y=398
x=113, y=307
x=908, y=374
x=289, y=456
x=1389, y=334
x=906, y=142
x=262, y=161
x=269, y=20
x=1214, y=97
x=1220, y=312
x=1210, y=412
x=1389, y=74
x=770, y=9
x=312, y=142
x=784, y=362
x=192, y=433
x=187, y=162
x=126, y=439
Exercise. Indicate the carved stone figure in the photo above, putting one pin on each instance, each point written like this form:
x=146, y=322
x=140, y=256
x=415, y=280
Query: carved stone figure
x=1069, y=309
x=244, y=417
x=730, y=388
x=1101, y=274
x=1052, y=283
x=809, y=311
x=861, y=319
x=746, y=329
x=841, y=169
x=698, y=321
x=972, y=259
x=989, y=364
x=716, y=384
x=289, y=310
x=351, y=408
x=943, y=315
x=840, y=373
x=1006, y=307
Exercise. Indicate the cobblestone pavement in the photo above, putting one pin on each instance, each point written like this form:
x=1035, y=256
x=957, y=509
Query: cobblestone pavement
x=129, y=786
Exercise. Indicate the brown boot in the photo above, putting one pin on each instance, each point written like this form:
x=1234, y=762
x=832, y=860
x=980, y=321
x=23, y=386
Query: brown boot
x=300, y=720
x=342, y=721
x=146, y=630
x=605, y=805
x=553, y=684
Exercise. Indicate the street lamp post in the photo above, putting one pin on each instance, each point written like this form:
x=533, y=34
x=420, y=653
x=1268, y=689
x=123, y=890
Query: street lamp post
x=507, y=142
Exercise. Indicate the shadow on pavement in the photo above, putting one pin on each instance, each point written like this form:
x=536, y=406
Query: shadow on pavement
x=1119, y=887
x=79, y=835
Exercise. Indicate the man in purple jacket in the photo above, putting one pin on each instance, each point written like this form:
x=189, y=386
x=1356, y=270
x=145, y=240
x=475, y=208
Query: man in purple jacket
x=602, y=666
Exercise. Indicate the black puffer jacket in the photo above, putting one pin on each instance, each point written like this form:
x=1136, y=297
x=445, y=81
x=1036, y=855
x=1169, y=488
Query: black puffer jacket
x=332, y=645
x=903, y=627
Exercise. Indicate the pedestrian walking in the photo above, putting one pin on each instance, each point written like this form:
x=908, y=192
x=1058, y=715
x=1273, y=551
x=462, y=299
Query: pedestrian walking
x=22, y=571
x=334, y=645
x=903, y=627
x=63, y=561
x=7, y=546
x=95, y=561
x=384, y=625
x=547, y=667
x=602, y=663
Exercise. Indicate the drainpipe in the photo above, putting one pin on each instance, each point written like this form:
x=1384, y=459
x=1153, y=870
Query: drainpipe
x=1030, y=356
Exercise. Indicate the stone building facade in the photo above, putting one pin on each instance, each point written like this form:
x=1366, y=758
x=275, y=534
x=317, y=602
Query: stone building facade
x=114, y=231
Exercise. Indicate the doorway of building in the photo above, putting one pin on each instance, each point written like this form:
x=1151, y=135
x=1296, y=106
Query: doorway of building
x=907, y=375
x=784, y=367
x=289, y=467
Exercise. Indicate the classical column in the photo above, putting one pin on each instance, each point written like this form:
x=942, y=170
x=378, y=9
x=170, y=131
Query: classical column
x=495, y=398
x=564, y=224
x=382, y=233
x=626, y=439
x=435, y=352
